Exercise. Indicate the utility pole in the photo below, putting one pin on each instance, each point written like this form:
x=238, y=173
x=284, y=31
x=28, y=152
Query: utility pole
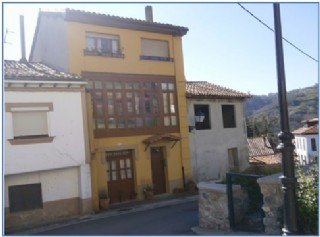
x=285, y=146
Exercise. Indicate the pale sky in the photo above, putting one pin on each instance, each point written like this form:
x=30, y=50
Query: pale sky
x=224, y=45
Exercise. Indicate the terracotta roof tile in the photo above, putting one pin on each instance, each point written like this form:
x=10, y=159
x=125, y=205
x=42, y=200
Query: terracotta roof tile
x=203, y=89
x=15, y=70
x=306, y=130
x=259, y=146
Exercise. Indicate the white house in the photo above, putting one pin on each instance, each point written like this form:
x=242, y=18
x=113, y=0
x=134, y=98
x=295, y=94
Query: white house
x=46, y=147
x=307, y=141
x=218, y=138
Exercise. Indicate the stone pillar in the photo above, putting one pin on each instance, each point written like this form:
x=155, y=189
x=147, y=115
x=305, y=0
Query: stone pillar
x=213, y=205
x=272, y=203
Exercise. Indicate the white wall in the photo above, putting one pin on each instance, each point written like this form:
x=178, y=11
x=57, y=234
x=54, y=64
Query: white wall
x=55, y=184
x=303, y=148
x=65, y=124
x=209, y=148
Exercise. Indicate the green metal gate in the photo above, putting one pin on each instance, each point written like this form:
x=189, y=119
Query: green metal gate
x=252, y=216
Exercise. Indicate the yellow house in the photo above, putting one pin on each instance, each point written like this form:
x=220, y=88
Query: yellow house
x=136, y=97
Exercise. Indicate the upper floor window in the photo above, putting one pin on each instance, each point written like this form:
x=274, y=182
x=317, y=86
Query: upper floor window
x=228, y=116
x=29, y=122
x=155, y=50
x=313, y=144
x=202, y=118
x=103, y=45
x=125, y=106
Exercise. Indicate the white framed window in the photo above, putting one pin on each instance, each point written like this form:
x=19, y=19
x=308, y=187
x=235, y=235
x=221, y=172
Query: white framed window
x=29, y=122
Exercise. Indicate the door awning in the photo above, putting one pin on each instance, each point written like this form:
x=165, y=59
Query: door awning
x=158, y=137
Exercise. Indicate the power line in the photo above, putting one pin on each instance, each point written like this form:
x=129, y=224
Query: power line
x=300, y=50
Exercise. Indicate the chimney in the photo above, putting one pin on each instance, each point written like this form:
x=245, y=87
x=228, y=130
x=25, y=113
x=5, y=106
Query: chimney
x=22, y=39
x=149, y=15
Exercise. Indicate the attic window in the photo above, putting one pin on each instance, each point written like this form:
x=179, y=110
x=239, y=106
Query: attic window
x=103, y=45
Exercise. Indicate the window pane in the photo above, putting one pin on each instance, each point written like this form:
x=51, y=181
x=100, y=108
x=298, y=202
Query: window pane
x=122, y=164
x=228, y=116
x=166, y=121
x=173, y=120
x=123, y=174
x=100, y=123
x=90, y=43
x=117, y=85
x=172, y=108
x=110, y=103
x=113, y=165
x=165, y=103
x=114, y=175
x=131, y=122
x=89, y=85
x=121, y=123
x=164, y=86
x=129, y=85
x=99, y=110
x=109, y=85
x=129, y=95
x=98, y=84
x=155, y=104
x=129, y=174
x=136, y=85
x=108, y=176
x=148, y=121
x=111, y=123
x=130, y=107
x=137, y=103
x=98, y=96
x=139, y=122
x=170, y=86
x=128, y=163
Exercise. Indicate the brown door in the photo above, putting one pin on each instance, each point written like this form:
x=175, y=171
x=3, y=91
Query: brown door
x=120, y=175
x=157, y=166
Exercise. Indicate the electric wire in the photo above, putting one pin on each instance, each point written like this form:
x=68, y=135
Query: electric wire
x=300, y=50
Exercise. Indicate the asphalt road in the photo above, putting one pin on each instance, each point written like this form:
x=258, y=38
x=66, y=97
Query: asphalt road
x=169, y=220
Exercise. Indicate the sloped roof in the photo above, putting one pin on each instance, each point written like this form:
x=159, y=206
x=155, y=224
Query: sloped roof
x=306, y=130
x=116, y=21
x=158, y=137
x=259, y=146
x=203, y=89
x=16, y=70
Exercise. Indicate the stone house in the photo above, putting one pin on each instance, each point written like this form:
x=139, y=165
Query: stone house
x=46, y=151
x=217, y=130
x=135, y=95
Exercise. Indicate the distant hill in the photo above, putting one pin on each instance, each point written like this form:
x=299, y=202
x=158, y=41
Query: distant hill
x=263, y=116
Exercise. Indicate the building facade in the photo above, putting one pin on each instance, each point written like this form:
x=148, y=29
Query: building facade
x=46, y=148
x=218, y=138
x=306, y=141
x=136, y=96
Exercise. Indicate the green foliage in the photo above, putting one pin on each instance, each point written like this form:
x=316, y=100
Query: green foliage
x=307, y=198
x=263, y=114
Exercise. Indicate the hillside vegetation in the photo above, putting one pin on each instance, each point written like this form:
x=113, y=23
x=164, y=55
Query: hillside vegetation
x=263, y=116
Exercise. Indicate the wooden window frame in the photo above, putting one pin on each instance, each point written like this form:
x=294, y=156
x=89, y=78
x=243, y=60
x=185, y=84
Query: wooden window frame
x=156, y=91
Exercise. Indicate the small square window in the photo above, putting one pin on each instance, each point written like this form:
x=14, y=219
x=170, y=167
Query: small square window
x=202, y=117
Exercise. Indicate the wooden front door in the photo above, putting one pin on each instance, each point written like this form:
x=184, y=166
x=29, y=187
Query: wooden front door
x=157, y=167
x=120, y=175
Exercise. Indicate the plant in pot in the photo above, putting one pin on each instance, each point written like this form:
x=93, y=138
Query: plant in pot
x=148, y=192
x=104, y=200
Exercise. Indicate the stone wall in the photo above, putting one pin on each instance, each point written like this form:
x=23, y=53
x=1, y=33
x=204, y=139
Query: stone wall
x=272, y=203
x=213, y=205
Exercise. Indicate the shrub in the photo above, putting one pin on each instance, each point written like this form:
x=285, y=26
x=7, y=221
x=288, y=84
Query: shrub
x=307, y=198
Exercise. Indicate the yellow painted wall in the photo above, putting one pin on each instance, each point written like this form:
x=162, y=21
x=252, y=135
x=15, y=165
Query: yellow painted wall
x=129, y=42
x=178, y=156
